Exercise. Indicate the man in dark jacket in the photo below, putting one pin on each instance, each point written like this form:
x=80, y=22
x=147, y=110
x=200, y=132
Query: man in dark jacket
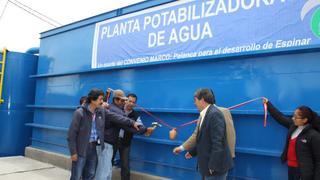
x=119, y=101
x=111, y=133
x=85, y=133
x=214, y=158
x=117, y=106
x=125, y=137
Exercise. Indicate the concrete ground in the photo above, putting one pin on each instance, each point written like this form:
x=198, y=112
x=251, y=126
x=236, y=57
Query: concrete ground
x=56, y=161
x=23, y=168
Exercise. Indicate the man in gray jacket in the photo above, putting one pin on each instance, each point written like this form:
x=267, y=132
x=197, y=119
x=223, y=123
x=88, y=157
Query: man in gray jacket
x=86, y=132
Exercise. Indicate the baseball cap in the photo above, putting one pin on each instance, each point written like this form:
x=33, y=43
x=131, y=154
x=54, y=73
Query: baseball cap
x=119, y=94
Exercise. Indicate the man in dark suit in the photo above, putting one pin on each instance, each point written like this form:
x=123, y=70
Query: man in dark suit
x=214, y=158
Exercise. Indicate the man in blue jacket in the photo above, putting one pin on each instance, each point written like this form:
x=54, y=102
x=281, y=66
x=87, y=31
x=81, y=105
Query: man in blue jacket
x=214, y=158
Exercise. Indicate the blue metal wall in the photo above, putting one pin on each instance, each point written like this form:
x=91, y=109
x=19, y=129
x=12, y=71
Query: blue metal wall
x=288, y=79
x=18, y=92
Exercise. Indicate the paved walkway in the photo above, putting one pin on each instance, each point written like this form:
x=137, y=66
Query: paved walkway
x=22, y=168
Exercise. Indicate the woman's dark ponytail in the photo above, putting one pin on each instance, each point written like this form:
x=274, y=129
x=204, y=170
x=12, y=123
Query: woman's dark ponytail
x=313, y=118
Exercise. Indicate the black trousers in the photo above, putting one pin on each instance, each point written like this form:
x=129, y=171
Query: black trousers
x=124, y=151
x=294, y=173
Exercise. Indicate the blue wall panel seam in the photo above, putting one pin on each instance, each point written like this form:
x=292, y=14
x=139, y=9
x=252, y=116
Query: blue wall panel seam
x=164, y=164
x=41, y=126
x=47, y=142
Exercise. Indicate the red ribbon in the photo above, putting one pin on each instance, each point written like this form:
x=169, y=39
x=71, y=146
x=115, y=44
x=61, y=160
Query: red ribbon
x=188, y=123
x=265, y=108
x=155, y=117
x=244, y=103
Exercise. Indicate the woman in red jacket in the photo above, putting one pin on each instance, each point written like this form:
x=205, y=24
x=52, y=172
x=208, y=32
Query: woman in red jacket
x=302, y=149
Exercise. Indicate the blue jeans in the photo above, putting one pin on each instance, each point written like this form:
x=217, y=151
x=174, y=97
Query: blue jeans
x=85, y=166
x=104, y=169
x=217, y=177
